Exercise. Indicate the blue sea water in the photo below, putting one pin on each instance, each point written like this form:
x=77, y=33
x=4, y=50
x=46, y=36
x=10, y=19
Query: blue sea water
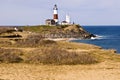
x=108, y=36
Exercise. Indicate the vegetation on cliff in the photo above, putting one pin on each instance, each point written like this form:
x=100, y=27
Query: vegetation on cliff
x=35, y=49
x=32, y=50
x=61, y=31
x=32, y=46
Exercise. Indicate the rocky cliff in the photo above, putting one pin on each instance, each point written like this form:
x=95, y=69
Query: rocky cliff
x=71, y=31
x=66, y=31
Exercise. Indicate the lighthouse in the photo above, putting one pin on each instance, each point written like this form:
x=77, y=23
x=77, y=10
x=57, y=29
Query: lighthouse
x=54, y=21
x=68, y=19
x=55, y=14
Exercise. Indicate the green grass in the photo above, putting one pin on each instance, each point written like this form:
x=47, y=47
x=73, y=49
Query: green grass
x=39, y=28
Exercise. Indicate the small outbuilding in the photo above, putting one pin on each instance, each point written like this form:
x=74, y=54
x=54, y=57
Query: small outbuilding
x=64, y=23
x=50, y=22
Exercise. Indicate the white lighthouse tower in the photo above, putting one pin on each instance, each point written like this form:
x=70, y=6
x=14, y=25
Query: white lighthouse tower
x=68, y=19
x=55, y=14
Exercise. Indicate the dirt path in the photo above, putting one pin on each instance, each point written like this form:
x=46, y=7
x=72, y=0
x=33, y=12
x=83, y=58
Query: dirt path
x=102, y=71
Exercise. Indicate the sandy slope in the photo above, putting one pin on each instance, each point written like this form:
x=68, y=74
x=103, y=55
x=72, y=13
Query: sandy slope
x=107, y=70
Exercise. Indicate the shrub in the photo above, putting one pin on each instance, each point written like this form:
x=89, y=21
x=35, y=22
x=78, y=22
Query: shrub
x=9, y=56
x=47, y=42
x=5, y=43
x=59, y=56
x=34, y=38
x=34, y=41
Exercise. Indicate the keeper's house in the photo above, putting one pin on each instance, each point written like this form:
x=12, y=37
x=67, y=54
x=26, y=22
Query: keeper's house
x=50, y=22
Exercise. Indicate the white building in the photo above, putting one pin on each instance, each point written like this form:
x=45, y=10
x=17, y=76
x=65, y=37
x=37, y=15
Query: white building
x=67, y=21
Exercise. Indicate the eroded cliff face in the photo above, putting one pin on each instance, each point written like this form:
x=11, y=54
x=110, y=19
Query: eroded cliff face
x=68, y=31
x=71, y=31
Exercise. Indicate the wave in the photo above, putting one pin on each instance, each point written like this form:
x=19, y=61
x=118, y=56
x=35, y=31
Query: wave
x=98, y=37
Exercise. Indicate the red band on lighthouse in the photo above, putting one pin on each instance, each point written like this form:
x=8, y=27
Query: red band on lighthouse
x=55, y=16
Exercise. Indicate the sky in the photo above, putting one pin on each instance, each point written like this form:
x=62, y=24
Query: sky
x=83, y=12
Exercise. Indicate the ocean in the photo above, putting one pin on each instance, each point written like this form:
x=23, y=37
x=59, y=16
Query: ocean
x=108, y=37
